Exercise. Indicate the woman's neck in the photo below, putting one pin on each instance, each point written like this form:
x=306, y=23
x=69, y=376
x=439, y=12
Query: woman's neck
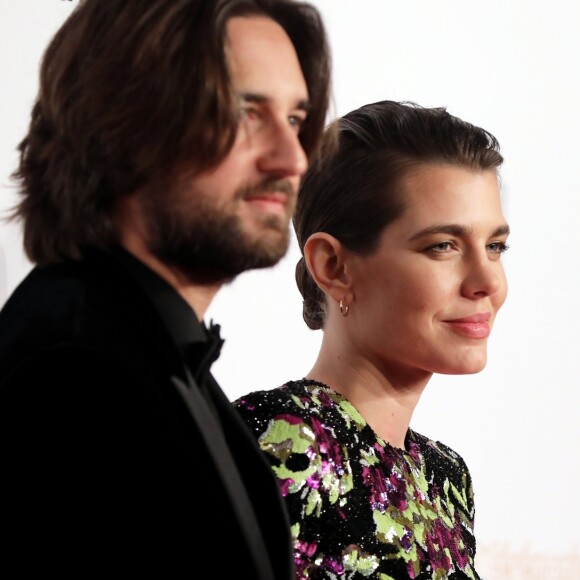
x=385, y=398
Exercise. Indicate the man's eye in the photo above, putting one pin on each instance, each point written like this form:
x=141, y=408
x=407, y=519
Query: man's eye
x=248, y=113
x=296, y=121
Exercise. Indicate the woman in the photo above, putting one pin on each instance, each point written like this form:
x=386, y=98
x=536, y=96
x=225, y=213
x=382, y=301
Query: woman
x=401, y=231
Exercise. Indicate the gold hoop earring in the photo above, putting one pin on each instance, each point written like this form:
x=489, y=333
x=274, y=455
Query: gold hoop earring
x=343, y=308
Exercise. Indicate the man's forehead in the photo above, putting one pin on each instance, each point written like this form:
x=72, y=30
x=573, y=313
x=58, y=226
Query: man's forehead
x=262, y=60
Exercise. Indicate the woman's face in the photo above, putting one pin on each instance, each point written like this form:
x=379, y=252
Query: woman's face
x=427, y=298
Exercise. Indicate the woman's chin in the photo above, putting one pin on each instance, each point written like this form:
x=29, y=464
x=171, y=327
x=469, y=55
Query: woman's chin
x=467, y=366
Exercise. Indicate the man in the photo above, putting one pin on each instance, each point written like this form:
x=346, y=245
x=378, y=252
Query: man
x=163, y=157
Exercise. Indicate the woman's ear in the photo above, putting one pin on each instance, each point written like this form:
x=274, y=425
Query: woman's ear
x=325, y=258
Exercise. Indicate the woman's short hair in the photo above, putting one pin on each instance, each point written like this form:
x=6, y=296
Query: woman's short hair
x=352, y=191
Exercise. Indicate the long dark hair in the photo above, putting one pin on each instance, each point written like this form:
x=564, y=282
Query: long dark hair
x=134, y=91
x=351, y=191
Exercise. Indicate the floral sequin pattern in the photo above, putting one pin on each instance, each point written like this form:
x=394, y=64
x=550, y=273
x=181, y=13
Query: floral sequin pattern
x=360, y=508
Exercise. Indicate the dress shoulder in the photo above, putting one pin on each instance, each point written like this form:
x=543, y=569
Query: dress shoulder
x=258, y=408
x=299, y=402
x=445, y=464
x=359, y=507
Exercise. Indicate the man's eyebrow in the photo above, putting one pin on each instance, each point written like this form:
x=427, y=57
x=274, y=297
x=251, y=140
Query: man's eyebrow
x=253, y=98
x=457, y=230
x=257, y=98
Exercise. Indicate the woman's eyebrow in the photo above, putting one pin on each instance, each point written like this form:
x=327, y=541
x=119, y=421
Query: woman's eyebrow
x=451, y=229
x=458, y=230
x=503, y=230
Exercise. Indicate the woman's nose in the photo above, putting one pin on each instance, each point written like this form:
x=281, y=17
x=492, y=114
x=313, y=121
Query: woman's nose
x=484, y=277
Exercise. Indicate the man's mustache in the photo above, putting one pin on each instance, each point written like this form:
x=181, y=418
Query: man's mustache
x=269, y=185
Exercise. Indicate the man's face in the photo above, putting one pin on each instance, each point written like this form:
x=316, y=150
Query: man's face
x=236, y=216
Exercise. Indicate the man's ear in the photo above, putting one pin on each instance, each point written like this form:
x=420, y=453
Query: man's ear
x=325, y=258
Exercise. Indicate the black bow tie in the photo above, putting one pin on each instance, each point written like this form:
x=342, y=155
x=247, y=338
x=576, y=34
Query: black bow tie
x=214, y=332
x=201, y=355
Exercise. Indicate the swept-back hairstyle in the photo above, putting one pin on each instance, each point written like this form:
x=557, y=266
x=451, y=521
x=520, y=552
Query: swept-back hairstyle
x=352, y=191
x=132, y=92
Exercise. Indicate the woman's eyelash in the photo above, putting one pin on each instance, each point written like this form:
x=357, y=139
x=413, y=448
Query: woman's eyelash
x=500, y=247
x=441, y=246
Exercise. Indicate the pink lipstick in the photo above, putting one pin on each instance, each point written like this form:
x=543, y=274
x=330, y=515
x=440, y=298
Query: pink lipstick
x=475, y=326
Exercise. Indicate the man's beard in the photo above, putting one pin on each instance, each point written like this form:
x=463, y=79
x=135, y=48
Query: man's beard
x=205, y=243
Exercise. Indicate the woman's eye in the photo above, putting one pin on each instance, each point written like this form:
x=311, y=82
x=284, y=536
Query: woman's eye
x=441, y=247
x=498, y=247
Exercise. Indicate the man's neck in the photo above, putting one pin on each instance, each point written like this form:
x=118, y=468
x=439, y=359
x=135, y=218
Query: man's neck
x=198, y=296
x=130, y=224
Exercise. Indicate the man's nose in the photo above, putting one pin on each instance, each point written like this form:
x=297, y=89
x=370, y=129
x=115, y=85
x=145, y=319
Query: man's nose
x=283, y=155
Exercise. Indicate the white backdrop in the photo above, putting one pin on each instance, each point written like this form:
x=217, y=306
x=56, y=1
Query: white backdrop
x=510, y=66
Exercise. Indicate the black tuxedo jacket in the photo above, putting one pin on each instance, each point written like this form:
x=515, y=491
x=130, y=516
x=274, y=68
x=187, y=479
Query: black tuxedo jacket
x=104, y=464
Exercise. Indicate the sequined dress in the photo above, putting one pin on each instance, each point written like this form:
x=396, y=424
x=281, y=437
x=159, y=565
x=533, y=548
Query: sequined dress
x=360, y=508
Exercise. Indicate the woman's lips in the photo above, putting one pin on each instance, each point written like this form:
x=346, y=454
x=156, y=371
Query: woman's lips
x=475, y=326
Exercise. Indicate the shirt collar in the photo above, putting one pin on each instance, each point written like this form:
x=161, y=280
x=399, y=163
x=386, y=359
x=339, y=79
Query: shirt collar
x=197, y=343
